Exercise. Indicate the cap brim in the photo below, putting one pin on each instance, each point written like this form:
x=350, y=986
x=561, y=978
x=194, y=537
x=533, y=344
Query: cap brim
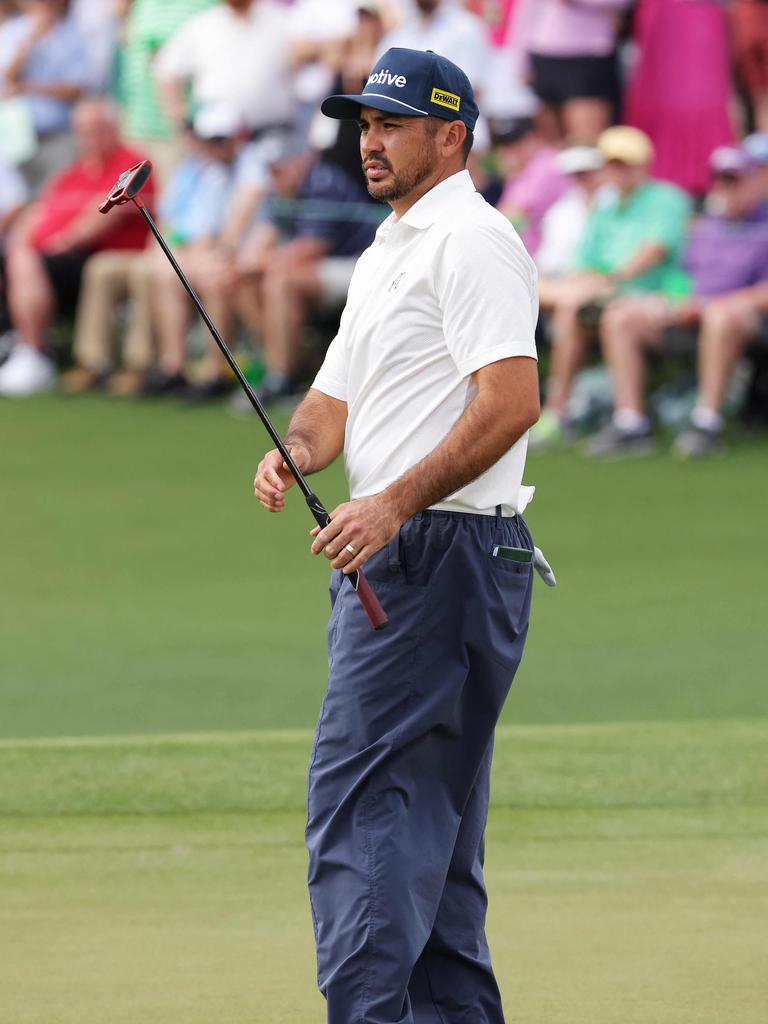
x=347, y=108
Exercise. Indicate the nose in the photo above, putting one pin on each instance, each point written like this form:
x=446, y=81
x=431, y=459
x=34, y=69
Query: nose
x=371, y=141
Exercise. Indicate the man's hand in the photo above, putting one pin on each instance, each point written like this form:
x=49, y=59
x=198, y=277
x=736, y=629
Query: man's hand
x=365, y=525
x=273, y=478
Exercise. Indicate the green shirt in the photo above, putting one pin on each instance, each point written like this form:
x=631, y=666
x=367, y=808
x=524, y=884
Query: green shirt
x=655, y=214
x=149, y=25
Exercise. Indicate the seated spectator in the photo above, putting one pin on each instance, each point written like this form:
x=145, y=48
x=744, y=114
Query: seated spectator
x=206, y=208
x=307, y=259
x=574, y=63
x=727, y=259
x=238, y=54
x=532, y=175
x=564, y=223
x=631, y=244
x=44, y=59
x=52, y=241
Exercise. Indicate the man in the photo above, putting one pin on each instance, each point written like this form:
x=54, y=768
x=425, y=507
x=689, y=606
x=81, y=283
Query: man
x=631, y=244
x=727, y=260
x=429, y=389
x=53, y=239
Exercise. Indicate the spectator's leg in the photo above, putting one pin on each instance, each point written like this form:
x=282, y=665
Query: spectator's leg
x=170, y=314
x=138, y=347
x=105, y=283
x=31, y=299
x=727, y=326
x=628, y=329
x=568, y=351
x=289, y=292
x=584, y=119
x=726, y=329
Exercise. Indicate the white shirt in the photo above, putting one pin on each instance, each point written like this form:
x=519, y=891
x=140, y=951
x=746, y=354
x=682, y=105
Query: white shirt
x=443, y=291
x=562, y=229
x=240, y=60
x=453, y=33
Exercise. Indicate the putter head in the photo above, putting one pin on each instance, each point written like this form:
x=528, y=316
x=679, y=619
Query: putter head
x=127, y=186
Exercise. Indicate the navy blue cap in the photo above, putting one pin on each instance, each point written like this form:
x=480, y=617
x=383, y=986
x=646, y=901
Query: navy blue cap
x=415, y=83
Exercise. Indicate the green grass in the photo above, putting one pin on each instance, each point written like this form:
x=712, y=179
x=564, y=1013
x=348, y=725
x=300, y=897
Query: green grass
x=161, y=663
x=145, y=591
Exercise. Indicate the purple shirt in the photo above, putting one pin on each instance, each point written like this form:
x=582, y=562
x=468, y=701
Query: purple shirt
x=725, y=255
x=584, y=29
x=531, y=193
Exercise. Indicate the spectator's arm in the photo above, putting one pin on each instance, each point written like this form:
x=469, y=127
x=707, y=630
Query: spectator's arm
x=87, y=228
x=646, y=257
x=67, y=92
x=172, y=95
x=245, y=203
x=8, y=218
x=301, y=250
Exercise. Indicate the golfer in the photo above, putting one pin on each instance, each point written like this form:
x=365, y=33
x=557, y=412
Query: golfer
x=428, y=389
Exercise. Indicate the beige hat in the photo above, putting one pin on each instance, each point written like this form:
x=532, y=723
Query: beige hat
x=629, y=145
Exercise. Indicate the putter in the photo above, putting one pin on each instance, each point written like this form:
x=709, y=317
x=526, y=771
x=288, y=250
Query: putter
x=126, y=190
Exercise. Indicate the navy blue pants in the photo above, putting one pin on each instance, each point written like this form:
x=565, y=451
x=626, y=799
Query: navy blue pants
x=400, y=769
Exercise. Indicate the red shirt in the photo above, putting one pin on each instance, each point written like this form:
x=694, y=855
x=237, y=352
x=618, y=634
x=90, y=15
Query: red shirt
x=82, y=186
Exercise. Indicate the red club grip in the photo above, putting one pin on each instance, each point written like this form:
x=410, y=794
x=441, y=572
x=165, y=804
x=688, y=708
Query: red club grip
x=370, y=603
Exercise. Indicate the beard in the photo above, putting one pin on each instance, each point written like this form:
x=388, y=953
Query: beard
x=405, y=182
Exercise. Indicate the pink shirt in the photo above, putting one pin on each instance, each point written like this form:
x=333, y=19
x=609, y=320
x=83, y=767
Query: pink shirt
x=581, y=28
x=531, y=193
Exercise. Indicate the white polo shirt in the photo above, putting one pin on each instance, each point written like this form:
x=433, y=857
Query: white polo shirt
x=443, y=291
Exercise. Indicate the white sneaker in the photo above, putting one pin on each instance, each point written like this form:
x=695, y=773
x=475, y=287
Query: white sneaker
x=26, y=372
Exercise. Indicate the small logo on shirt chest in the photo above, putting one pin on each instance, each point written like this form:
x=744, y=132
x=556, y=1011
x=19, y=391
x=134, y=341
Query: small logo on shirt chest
x=395, y=283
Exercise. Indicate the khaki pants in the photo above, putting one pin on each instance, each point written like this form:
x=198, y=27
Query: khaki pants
x=109, y=278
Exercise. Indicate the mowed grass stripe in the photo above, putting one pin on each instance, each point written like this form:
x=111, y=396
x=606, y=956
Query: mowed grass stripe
x=624, y=765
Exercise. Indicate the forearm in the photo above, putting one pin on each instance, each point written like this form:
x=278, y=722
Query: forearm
x=63, y=91
x=91, y=225
x=644, y=260
x=486, y=431
x=318, y=426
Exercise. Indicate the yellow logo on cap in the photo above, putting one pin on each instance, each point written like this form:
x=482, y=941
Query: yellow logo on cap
x=446, y=99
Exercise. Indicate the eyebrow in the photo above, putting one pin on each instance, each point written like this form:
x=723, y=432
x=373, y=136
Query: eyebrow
x=383, y=116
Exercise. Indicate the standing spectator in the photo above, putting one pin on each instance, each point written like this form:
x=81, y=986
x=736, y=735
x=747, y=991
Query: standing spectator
x=532, y=176
x=749, y=35
x=680, y=91
x=630, y=245
x=756, y=147
x=448, y=30
x=149, y=25
x=727, y=259
x=44, y=59
x=13, y=196
x=574, y=63
x=52, y=241
x=237, y=53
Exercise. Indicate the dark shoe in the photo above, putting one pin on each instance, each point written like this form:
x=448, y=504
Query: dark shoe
x=697, y=443
x=206, y=390
x=157, y=382
x=614, y=443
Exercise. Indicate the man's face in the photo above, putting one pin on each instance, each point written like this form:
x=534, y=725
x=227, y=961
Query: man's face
x=398, y=153
x=96, y=133
x=625, y=177
x=733, y=195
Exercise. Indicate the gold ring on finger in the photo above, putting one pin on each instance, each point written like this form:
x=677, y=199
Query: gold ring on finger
x=350, y=549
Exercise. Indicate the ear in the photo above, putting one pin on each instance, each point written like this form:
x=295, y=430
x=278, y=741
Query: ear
x=454, y=138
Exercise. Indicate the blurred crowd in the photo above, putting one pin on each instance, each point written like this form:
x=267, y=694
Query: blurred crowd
x=627, y=142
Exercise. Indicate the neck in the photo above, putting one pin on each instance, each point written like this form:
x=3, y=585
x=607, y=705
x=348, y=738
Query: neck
x=401, y=206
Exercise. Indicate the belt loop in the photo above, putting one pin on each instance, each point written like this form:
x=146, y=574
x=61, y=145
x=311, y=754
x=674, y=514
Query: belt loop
x=394, y=556
x=498, y=517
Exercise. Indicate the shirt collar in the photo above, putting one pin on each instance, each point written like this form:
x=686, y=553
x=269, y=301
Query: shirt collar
x=432, y=204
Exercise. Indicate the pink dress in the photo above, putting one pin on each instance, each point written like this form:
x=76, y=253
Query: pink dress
x=680, y=91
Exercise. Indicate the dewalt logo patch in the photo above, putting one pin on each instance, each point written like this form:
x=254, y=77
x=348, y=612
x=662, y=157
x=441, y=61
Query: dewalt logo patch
x=446, y=99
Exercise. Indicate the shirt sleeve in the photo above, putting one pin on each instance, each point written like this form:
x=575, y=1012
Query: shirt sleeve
x=176, y=59
x=666, y=220
x=485, y=283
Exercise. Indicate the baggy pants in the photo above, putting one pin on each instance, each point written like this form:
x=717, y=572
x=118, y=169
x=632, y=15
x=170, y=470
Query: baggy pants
x=399, y=774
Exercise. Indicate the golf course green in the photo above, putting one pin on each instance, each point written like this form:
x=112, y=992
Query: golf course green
x=161, y=667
